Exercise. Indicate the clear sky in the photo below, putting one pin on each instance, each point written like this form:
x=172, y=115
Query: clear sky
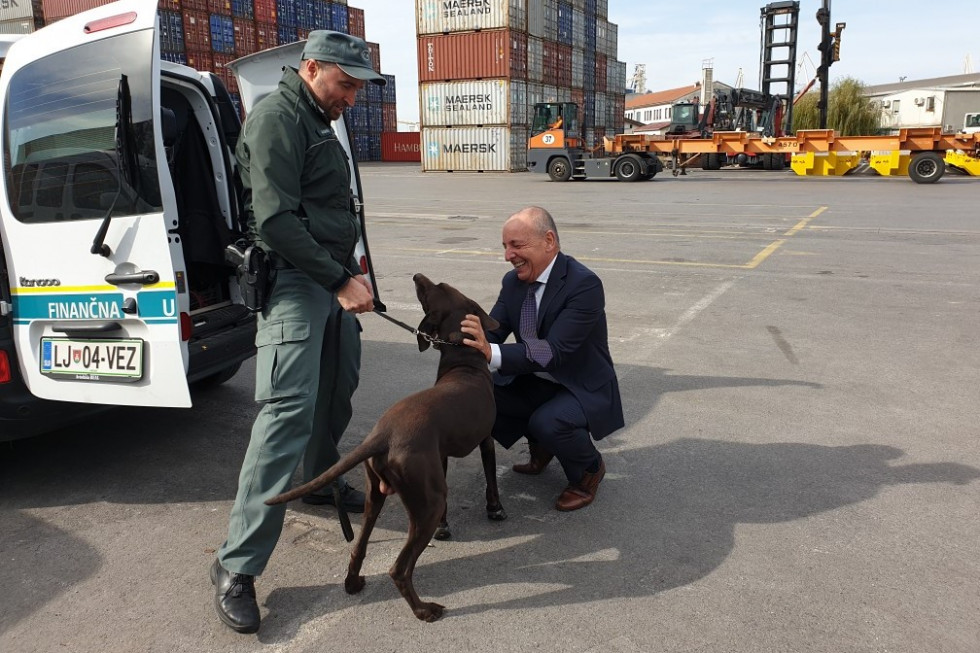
x=884, y=40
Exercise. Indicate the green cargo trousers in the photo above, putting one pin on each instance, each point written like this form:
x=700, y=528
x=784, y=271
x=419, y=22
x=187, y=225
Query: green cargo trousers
x=307, y=365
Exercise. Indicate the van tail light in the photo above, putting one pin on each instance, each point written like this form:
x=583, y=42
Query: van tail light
x=186, y=326
x=5, y=372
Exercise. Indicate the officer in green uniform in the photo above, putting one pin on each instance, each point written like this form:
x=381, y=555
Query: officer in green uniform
x=298, y=201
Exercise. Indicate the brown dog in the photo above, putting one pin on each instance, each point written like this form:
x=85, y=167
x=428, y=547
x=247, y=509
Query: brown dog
x=406, y=452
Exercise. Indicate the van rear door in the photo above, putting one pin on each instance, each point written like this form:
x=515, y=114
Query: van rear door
x=89, y=247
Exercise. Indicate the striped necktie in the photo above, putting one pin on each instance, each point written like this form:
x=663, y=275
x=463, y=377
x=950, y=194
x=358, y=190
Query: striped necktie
x=538, y=351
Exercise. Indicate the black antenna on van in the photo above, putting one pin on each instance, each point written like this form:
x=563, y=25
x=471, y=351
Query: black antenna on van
x=123, y=112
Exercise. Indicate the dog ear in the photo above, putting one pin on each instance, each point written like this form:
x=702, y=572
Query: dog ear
x=487, y=322
x=428, y=327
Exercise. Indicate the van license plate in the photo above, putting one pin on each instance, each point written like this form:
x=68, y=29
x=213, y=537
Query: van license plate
x=75, y=359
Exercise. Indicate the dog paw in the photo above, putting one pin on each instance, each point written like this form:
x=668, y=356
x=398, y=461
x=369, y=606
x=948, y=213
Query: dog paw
x=429, y=611
x=496, y=514
x=443, y=532
x=354, y=584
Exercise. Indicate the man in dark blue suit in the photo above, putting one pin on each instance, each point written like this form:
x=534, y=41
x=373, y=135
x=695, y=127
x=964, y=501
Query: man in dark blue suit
x=556, y=384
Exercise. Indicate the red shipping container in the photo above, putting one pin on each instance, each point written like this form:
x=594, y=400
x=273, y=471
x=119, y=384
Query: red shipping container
x=265, y=12
x=600, y=71
x=53, y=10
x=169, y=5
x=355, y=22
x=401, y=146
x=221, y=70
x=389, y=117
x=220, y=7
x=200, y=59
x=245, y=42
x=375, y=55
x=549, y=61
x=197, y=30
x=472, y=55
x=266, y=36
x=194, y=5
x=563, y=60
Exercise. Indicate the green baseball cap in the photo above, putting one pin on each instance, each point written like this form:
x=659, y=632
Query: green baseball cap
x=350, y=53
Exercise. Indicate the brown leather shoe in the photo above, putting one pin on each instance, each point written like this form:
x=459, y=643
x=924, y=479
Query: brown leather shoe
x=539, y=460
x=578, y=495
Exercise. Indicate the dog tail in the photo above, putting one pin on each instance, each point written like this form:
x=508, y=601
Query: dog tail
x=358, y=454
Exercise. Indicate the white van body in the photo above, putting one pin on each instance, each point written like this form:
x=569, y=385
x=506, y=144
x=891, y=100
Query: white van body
x=117, y=199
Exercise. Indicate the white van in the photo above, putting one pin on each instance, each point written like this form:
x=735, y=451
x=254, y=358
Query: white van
x=118, y=197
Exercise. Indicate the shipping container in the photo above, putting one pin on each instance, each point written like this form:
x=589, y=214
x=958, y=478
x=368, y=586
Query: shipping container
x=401, y=146
x=474, y=149
x=542, y=19
x=339, y=18
x=374, y=93
x=442, y=17
x=564, y=23
x=535, y=59
x=578, y=28
x=171, y=31
x=221, y=70
x=266, y=36
x=53, y=10
x=18, y=11
x=537, y=93
x=286, y=13
x=245, y=39
x=355, y=22
x=389, y=90
x=200, y=59
x=222, y=34
x=578, y=68
x=243, y=9
x=472, y=55
x=389, y=117
x=169, y=5
x=197, y=30
x=375, y=50
x=265, y=12
x=24, y=25
x=219, y=7
x=563, y=61
x=602, y=9
x=194, y=5
x=484, y=102
x=286, y=34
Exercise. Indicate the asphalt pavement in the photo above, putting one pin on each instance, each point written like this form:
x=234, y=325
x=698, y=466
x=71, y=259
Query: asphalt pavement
x=799, y=472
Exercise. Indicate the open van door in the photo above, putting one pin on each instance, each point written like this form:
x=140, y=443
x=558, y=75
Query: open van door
x=87, y=232
x=258, y=75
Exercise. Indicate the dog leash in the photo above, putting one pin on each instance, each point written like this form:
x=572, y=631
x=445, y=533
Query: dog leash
x=415, y=332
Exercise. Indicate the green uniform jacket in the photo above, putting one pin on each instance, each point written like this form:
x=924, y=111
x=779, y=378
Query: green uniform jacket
x=297, y=184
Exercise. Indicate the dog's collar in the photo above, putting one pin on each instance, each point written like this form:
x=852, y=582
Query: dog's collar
x=415, y=332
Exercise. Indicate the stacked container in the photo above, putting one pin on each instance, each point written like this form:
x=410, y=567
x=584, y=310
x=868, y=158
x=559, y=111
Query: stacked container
x=483, y=65
x=207, y=34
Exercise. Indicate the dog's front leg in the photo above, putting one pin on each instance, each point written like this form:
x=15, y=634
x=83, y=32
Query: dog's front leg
x=488, y=454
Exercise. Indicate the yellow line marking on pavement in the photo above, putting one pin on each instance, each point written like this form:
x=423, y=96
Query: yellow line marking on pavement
x=751, y=265
x=767, y=252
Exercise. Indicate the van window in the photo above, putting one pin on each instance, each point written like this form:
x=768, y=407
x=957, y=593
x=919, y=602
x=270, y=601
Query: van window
x=79, y=134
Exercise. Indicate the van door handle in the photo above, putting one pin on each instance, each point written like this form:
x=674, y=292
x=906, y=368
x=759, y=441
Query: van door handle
x=89, y=327
x=143, y=278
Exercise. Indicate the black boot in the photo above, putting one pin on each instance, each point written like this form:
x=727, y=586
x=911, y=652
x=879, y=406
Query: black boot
x=234, y=599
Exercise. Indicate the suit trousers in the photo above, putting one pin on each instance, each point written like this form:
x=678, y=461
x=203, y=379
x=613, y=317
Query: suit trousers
x=548, y=415
x=306, y=370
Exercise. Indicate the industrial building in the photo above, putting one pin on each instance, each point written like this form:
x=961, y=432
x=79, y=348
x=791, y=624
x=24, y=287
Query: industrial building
x=937, y=102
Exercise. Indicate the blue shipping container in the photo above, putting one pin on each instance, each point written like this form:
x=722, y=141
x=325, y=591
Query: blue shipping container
x=374, y=93
x=286, y=15
x=171, y=31
x=565, y=23
x=339, y=18
x=243, y=9
x=222, y=34
x=304, y=14
x=287, y=35
x=388, y=92
x=321, y=14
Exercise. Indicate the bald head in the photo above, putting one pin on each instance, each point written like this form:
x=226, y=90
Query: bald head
x=538, y=220
x=530, y=241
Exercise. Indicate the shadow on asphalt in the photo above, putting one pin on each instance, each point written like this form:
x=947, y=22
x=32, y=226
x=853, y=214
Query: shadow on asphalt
x=673, y=521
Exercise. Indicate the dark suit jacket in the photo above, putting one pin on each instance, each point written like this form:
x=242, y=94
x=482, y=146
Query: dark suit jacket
x=572, y=318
